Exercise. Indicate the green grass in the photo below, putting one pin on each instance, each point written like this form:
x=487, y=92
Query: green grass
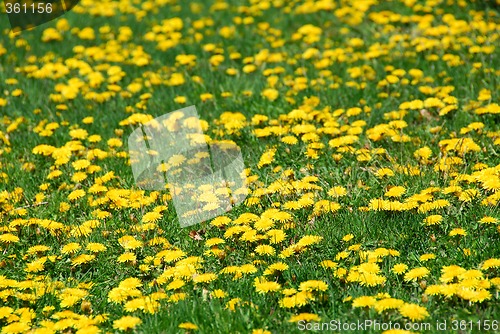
x=401, y=231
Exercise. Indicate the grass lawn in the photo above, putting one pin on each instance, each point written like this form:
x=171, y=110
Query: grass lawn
x=369, y=131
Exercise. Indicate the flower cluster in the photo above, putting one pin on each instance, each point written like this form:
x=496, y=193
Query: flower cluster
x=370, y=133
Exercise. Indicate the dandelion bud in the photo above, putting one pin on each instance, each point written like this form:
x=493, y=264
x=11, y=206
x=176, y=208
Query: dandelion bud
x=86, y=306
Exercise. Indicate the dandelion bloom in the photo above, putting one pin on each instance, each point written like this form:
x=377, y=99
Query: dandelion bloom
x=126, y=323
x=413, y=312
x=490, y=263
x=188, y=325
x=8, y=238
x=204, y=278
x=427, y=257
x=264, y=286
x=433, y=220
x=364, y=301
x=387, y=304
x=304, y=317
x=416, y=273
x=76, y=194
x=457, y=231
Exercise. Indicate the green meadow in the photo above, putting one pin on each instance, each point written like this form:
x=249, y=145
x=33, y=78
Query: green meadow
x=369, y=131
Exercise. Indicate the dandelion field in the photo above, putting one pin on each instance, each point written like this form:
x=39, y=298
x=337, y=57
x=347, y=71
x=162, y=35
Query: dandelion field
x=370, y=135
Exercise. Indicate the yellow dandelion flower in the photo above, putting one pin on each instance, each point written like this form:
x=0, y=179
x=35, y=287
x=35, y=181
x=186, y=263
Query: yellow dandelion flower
x=328, y=264
x=433, y=220
x=276, y=236
x=347, y=237
x=337, y=191
x=231, y=305
x=79, y=177
x=270, y=93
x=129, y=242
x=16, y=327
x=290, y=140
x=341, y=255
x=289, y=291
x=95, y=247
x=265, y=250
x=81, y=164
x=364, y=301
x=176, y=297
x=340, y=272
x=206, y=97
x=263, y=286
x=204, y=278
x=457, y=231
x=413, y=312
x=221, y=221
x=297, y=300
x=63, y=206
x=416, y=273
x=176, y=284
x=387, y=304
x=264, y=224
x=35, y=266
x=188, y=325
x=495, y=281
x=309, y=240
x=489, y=220
x=151, y=217
x=433, y=290
x=313, y=285
x=82, y=259
x=70, y=248
x=8, y=238
x=384, y=172
x=490, y=263
x=180, y=99
x=266, y=158
x=276, y=267
x=127, y=257
x=249, y=68
x=396, y=191
x=78, y=134
x=491, y=183
x=95, y=139
x=427, y=257
x=304, y=317
x=115, y=142
x=76, y=194
x=260, y=331
x=218, y=293
x=126, y=323
x=214, y=241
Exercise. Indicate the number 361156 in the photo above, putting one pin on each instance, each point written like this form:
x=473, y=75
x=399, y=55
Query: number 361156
x=23, y=8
